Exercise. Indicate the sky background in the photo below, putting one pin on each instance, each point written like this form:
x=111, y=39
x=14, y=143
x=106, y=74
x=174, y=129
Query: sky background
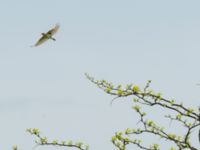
x=120, y=41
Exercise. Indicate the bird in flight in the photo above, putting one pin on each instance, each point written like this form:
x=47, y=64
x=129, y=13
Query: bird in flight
x=47, y=36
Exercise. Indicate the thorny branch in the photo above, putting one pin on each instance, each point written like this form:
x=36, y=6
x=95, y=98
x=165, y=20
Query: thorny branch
x=43, y=141
x=150, y=98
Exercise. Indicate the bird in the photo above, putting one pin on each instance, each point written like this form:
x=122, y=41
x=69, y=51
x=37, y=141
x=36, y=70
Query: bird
x=48, y=35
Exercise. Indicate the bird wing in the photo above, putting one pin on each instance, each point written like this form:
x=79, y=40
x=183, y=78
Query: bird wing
x=45, y=38
x=54, y=30
x=41, y=40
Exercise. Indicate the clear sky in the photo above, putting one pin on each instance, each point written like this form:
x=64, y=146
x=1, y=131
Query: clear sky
x=121, y=41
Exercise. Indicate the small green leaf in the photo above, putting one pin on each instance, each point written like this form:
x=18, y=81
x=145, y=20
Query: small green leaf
x=136, y=89
x=128, y=131
x=54, y=142
x=43, y=140
x=136, y=108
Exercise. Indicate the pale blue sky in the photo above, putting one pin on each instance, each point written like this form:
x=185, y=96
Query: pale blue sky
x=120, y=41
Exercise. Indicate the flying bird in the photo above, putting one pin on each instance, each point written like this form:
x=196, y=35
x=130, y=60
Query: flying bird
x=48, y=35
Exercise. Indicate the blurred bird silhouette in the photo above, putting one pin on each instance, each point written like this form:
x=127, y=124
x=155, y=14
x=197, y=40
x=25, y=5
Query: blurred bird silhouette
x=47, y=36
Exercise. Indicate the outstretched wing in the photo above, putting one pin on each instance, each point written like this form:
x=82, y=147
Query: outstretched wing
x=48, y=35
x=41, y=40
x=54, y=30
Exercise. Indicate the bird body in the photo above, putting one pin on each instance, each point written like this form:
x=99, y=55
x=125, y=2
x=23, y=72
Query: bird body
x=48, y=35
